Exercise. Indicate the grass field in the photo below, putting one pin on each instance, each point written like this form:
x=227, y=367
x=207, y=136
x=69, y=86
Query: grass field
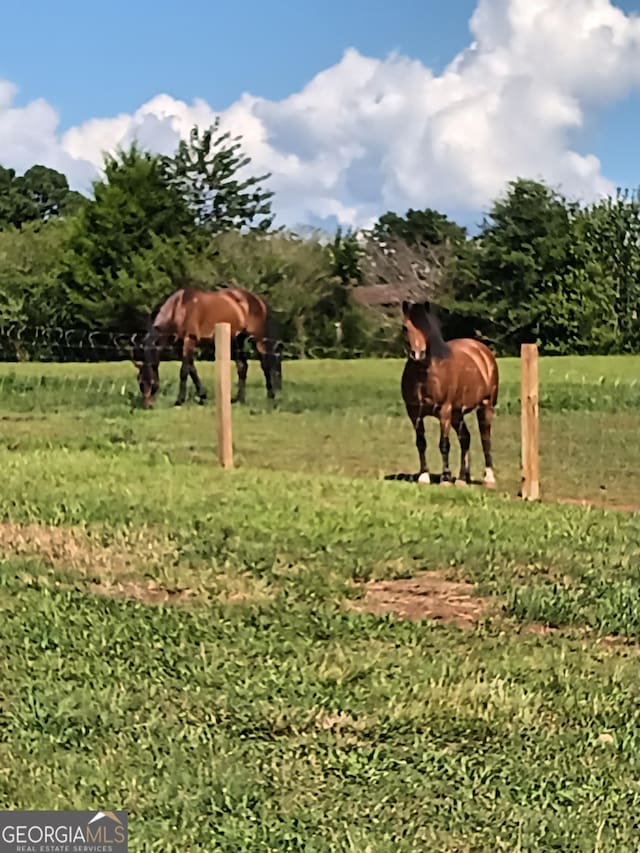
x=194, y=646
x=343, y=418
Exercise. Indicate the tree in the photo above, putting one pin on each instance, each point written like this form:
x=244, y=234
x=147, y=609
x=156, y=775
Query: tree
x=429, y=257
x=524, y=249
x=297, y=276
x=443, y=254
x=40, y=194
x=130, y=243
x=47, y=193
x=347, y=254
x=566, y=275
x=206, y=171
x=10, y=201
x=419, y=227
x=611, y=230
x=30, y=297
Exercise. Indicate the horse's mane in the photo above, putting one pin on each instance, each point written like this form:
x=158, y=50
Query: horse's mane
x=154, y=313
x=428, y=323
x=183, y=285
x=159, y=305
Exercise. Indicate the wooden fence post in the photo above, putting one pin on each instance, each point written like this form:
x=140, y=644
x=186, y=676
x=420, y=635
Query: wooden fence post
x=529, y=421
x=223, y=394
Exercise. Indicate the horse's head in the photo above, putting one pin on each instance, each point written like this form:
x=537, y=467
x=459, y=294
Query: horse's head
x=148, y=381
x=422, y=332
x=416, y=333
x=148, y=377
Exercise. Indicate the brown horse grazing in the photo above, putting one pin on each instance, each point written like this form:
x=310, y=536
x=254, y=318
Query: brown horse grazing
x=189, y=316
x=446, y=380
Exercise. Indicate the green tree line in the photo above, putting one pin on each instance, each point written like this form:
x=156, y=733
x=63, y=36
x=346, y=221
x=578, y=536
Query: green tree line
x=541, y=267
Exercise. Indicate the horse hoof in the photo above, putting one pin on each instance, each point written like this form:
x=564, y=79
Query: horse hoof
x=424, y=479
x=489, y=479
x=461, y=483
x=178, y=403
x=202, y=401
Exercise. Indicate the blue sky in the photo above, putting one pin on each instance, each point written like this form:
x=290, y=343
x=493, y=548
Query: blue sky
x=89, y=62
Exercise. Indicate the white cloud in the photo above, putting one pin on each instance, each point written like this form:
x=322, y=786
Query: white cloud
x=367, y=135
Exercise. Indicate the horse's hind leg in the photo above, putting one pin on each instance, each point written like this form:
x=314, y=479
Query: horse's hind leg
x=465, y=442
x=184, y=374
x=485, y=419
x=193, y=373
x=242, y=367
x=188, y=369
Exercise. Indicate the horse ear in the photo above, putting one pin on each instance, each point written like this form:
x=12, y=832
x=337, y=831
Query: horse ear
x=427, y=306
x=405, y=307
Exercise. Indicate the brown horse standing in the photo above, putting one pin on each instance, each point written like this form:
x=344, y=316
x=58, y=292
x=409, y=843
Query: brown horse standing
x=446, y=380
x=190, y=315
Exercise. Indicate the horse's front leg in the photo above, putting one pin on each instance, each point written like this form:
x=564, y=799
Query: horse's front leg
x=421, y=446
x=193, y=373
x=445, y=444
x=184, y=375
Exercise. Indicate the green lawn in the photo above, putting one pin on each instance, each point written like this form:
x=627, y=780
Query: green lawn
x=345, y=418
x=176, y=640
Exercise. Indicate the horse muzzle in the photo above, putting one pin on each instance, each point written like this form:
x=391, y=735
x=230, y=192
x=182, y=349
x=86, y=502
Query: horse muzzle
x=418, y=355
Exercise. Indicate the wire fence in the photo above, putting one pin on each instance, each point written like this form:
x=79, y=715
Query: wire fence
x=49, y=344
x=339, y=411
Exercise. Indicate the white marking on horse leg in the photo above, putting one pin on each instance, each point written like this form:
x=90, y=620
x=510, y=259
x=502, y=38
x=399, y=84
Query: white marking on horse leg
x=424, y=479
x=489, y=478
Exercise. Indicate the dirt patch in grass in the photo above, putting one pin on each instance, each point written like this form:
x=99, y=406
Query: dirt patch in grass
x=425, y=596
x=123, y=565
x=145, y=593
x=79, y=550
x=603, y=504
x=430, y=596
x=237, y=589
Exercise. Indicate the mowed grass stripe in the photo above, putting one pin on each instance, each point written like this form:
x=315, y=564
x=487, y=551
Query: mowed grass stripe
x=341, y=417
x=176, y=640
x=278, y=728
